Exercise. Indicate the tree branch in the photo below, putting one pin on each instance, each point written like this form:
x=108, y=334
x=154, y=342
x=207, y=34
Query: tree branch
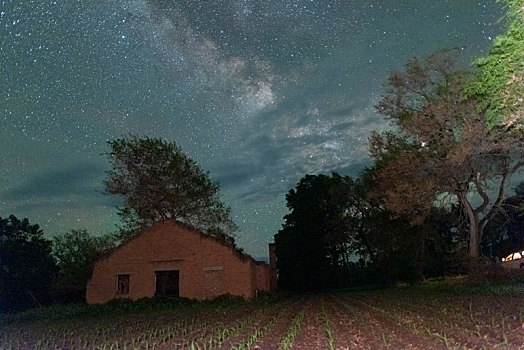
x=483, y=194
x=500, y=196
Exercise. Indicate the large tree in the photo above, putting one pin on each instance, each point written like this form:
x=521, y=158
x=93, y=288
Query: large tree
x=314, y=246
x=26, y=266
x=442, y=147
x=160, y=182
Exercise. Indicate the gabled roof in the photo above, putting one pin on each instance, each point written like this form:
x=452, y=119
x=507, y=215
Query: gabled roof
x=234, y=249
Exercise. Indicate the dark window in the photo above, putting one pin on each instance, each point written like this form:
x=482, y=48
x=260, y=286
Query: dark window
x=167, y=283
x=122, y=284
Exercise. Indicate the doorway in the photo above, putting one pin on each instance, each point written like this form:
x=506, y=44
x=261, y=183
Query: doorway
x=167, y=283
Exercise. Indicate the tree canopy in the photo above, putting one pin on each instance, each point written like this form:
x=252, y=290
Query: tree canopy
x=26, y=266
x=400, y=249
x=499, y=85
x=442, y=147
x=337, y=236
x=315, y=242
x=505, y=233
x=75, y=253
x=160, y=182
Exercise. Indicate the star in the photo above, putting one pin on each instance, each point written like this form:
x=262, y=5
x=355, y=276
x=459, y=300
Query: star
x=258, y=93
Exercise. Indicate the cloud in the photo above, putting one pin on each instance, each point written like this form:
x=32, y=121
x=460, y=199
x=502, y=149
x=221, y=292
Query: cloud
x=76, y=180
x=200, y=63
x=295, y=138
x=231, y=175
x=57, y=199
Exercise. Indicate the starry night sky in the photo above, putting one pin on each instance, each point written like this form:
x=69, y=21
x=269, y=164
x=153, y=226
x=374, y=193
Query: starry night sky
x=258, y=92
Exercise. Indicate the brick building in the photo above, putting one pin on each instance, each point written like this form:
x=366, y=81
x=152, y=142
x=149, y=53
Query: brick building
x=171, y=258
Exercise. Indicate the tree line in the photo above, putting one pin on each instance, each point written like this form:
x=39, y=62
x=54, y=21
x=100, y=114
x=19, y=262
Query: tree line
x=434, y=201
x=339, y=235
x=37, y=271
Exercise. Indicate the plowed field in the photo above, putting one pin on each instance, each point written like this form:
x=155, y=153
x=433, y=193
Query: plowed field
x=400, y=318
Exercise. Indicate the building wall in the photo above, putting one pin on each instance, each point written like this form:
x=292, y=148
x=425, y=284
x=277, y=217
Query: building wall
x=262, y=277
x=207, y=267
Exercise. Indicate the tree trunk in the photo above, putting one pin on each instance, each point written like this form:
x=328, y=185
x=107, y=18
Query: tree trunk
x=474, y=238
x=474, y=264
x=474, y=228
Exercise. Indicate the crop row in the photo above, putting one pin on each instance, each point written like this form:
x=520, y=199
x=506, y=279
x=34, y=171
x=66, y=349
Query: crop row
x=457, y=321
x=372, y=320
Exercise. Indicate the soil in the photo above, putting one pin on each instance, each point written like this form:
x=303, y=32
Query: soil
x=367, y=329
x=311, y=334
x=368, y=320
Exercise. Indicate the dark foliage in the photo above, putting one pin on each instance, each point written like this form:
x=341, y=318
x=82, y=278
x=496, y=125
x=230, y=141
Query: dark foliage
x=338, y=236
x=315, y=243
x=505, y=233
x=75, y=253
x=398, y=250
x=27, y=269
x=160, y=182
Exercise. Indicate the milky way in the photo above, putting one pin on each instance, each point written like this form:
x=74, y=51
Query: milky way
x=259, y=93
